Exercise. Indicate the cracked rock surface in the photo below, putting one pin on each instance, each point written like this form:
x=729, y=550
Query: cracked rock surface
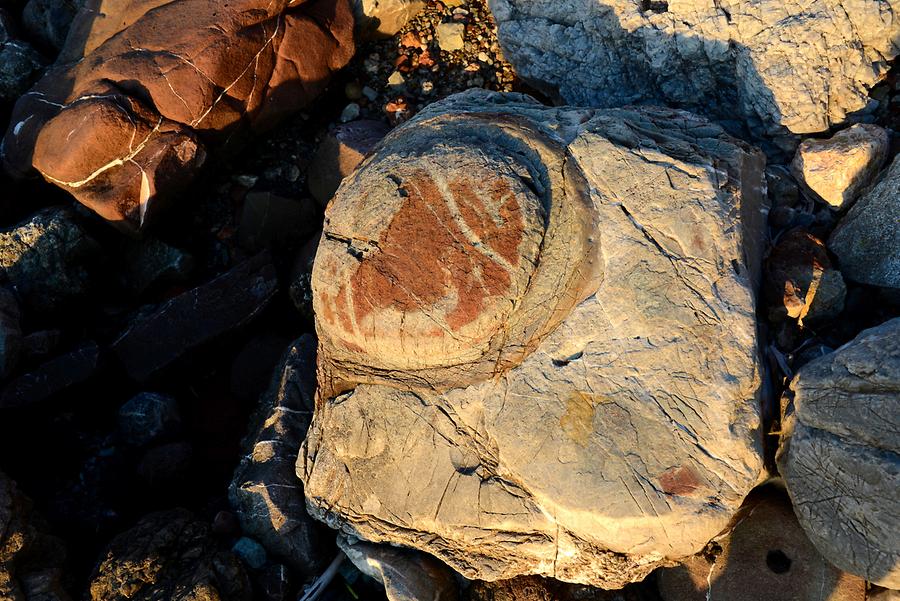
x=265, y=492
x=840, y=454
x=142, y=90
x=537, y=343
x=782, y=67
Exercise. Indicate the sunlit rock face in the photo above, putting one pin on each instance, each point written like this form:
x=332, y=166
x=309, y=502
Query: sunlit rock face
x=780, y=67
x=537, y=344
x=143, y=89
x=840, y=454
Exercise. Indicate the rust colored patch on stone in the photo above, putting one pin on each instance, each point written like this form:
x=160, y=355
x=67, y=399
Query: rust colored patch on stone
x=441, y=246
x=679, y=481
x=578, y=420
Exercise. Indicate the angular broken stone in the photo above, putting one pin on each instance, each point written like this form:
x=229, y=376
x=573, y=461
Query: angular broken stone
x=49, y=20
x=840, y=454
x=836, y=170
x=47, y=259
x=169, y=555
x=265, y=492
x=537, y=344
x=800, y=281
x=764, y=555
x=31, y=560
x=776, y=66
x=339, y=153
x=866, y=241
x=51, y=377
x=140, y=92
x=197, y=316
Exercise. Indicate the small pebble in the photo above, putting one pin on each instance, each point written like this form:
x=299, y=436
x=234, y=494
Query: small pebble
x=353, y=91
x=251, y=552
x=369, y=93
x=350, y=112
x=396, y=79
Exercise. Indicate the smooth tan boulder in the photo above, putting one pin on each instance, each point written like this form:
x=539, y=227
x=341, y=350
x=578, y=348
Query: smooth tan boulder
x=144, y=89
x=537, y=343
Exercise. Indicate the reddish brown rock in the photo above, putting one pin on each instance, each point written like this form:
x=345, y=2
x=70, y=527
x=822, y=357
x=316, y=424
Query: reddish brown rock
x=142, y=89
x=801, y=283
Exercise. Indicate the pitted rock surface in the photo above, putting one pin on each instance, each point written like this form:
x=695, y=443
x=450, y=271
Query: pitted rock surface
x=537, y=344
x=840, y=454
x=782, y=67
x=143, y=89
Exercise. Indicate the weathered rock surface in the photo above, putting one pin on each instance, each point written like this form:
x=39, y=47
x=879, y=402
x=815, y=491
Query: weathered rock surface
x=141, y=90
x=407, y=575
x=169, y=555
x=30, y=560
x=867, y=239
x=265, y=492
x=840, y=454
x=780, y=67
x=801, y=283
x=537, y=345
x=765, y=555
x=47, y=259
x=20, y=64
x=836, y=170
x=197, y=316
x=339, y=153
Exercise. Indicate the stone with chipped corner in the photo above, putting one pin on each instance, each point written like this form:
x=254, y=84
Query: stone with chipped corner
x=537, y=344
x=31, y=560
x=800, y=281
x=764, y=554
x=780, y=67
x=169, y=555
x=866, y=241
x=840, y=454
x=265, y=492
x=407, y=575
x=142, y=90
x=837, y=169
x=48, y=260
x=383, y=18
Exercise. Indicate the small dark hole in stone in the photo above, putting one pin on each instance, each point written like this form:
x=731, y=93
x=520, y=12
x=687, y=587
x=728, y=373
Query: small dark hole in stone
x=778, y=562
x=656, y=6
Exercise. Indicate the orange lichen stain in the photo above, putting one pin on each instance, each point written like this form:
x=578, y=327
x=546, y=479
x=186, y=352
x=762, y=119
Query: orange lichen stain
x=424, y=255
x=578, y=420
x=680, y=480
